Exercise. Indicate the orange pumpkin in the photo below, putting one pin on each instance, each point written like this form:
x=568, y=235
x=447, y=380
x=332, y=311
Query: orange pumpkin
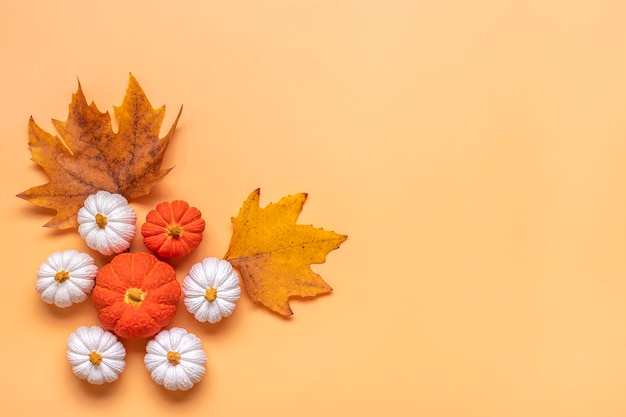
x=136, y=295
x=173, y=229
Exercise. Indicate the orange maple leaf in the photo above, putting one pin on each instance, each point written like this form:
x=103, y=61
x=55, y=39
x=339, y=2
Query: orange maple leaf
x=273, y=254
x=89, y=157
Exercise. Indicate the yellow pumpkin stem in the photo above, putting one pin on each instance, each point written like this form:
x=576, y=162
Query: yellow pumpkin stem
x=210, y=294
x=95, y=358
x=101, y=220
x=173, y=357
x=134, y=296
x=175, y=231
x=61, y=276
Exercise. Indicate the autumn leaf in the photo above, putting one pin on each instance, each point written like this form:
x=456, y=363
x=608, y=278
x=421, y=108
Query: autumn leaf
x=273, y=254
x=88, y=156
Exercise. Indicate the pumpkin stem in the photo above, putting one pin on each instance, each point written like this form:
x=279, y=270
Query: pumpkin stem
x=95, y=358
x=101, y=220
x=134, y=296
x=210, y=294
x=175, y=231
x=61, y=276
x=173, y=357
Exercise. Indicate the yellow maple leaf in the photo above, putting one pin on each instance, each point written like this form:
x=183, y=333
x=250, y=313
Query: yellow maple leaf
x=273, y=254
x=89, y=157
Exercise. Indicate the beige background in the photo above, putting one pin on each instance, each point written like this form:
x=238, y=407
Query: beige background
x=474, y=152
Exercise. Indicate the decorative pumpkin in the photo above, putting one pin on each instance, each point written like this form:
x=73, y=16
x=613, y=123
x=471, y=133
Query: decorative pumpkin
x=175, y=359
x=95, y=355
x=173, y=229
x=136, y=295
x=211, y=290
x=107, y=222
x=66, y=278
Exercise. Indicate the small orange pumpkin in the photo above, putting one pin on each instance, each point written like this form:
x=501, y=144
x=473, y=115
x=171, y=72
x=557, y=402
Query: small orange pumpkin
x=136, y=295
x=173, y=229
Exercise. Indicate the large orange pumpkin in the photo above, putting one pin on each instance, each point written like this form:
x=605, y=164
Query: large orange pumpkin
x=136, y=295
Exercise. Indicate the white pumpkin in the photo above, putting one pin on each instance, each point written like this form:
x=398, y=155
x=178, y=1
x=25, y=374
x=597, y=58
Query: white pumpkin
x=175, y=359
x=107, y=222
x=66, y=278
x=211, y=290
x=95, y=355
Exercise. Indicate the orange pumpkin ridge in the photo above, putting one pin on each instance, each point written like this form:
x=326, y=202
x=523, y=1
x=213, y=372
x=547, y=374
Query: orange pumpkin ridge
x=136, y=295
x=114, y=283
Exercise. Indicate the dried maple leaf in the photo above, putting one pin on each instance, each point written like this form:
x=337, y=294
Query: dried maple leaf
x=274, y=254
x=88, y=156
